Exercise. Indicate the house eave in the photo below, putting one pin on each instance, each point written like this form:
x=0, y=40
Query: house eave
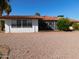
x=19, y=17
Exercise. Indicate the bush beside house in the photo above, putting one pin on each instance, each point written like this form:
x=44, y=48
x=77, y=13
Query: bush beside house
x=75, y=26
x=63, y=24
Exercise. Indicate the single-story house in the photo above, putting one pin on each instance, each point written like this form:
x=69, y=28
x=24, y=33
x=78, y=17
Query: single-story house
x=20, y=24
x=17, y=24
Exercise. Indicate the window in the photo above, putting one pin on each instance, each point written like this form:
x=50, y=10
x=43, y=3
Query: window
x=21, y=23
x=27, y=23
x=24, y=23
x=13, y=23
x=18, y=23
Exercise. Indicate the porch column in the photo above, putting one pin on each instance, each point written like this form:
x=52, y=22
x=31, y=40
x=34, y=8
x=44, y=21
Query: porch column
x=54, y=25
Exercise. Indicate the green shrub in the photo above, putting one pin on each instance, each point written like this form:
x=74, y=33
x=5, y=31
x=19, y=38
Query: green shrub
x=75, y=26
x=63, y=24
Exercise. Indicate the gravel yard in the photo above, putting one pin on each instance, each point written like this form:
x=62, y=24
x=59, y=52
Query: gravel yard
x=42, y=45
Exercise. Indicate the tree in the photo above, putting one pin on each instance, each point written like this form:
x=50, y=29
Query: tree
x=37, y=14
x=63, y=24
x=8, y=10
x=60, y=16
x=4, y=6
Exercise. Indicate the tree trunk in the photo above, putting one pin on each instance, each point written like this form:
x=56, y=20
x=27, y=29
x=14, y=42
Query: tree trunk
x=8, y=13
x=0, y=11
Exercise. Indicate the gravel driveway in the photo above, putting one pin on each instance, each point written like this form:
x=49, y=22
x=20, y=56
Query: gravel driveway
x=42, y=45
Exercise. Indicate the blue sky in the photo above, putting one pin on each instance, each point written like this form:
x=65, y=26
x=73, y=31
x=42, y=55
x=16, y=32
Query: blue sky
x=68, y=8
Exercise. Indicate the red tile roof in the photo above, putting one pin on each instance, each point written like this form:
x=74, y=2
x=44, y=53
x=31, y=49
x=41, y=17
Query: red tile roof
x=72, y=20
x=29, y=17
x=76, y=21
x=20, y=17
x=47, y=18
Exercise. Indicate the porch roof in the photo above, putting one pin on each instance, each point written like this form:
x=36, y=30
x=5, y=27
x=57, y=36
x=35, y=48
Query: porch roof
x=49, y=18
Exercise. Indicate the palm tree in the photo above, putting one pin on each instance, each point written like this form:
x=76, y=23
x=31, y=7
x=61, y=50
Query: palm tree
x=8, y=9
x=4, y=6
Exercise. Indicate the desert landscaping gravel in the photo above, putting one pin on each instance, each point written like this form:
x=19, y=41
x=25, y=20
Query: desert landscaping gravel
x=42, y=45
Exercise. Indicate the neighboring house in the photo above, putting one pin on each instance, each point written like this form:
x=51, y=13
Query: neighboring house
x=22, y=24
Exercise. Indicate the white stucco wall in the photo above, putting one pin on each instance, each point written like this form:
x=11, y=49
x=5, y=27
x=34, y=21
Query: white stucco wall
x=9, y=29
